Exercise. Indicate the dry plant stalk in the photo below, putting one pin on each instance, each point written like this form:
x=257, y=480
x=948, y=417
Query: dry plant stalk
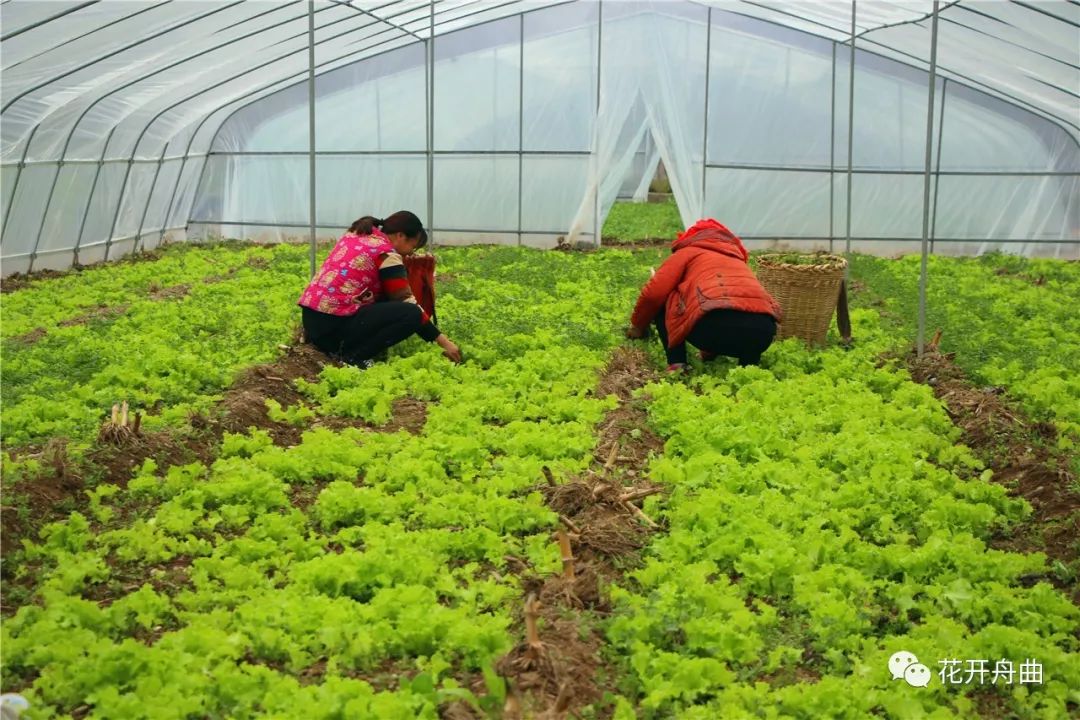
x=532, y=612
x=548, y=476
x=935, y=342
x=639, y=494
x=635, y=510
x=116, y=430
x=569, y=524
x=567, y=555
x=611, y=456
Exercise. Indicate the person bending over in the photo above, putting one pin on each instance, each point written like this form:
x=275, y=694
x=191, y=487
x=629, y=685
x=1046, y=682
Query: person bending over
x=359, y=303
x=705, y=293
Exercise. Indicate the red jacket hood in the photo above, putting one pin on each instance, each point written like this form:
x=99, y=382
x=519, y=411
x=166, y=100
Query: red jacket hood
x=710, y=234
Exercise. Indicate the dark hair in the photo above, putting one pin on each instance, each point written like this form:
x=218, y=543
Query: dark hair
x=402, y=221
x=364, y=225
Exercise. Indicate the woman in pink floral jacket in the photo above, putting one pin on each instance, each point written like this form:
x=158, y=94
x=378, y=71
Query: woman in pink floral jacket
x=359, y=303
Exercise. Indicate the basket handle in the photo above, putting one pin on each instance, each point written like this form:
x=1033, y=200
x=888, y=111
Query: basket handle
x=843, y=318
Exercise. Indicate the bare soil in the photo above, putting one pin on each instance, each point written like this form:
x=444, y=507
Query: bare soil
x=563, y=669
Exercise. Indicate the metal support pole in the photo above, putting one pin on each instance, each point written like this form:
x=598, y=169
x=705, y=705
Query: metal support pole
x=44, y=215
x=599, y=75
x=311, y=131
x=195, y=192
x=926, y=179
x=149, y=197
x=832, y=153
x=90, y=195
x=521, y=120
x=705, y=132
x=429, y=78
x=850, y=136
x=937, y=170
x=120, y=200
x=179, y=177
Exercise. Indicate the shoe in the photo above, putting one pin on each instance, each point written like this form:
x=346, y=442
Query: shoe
x=677, y=368
x=362, y=364
x=706, y=355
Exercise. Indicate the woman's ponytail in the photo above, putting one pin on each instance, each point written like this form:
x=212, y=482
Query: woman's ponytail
x=364, y=225
x=402, y=221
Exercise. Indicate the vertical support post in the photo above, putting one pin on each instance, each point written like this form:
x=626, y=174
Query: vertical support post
x=596, y=157
x=705, y=132
x=429, y=78
x=120, y=200
x=176, y=187
x=937, y=171
x=926, y=179
x=832, y=152
x=149, y=197
x=44, y=215
x=90, y=195
x=521, y=120
x=850, y=137
x=311, y=131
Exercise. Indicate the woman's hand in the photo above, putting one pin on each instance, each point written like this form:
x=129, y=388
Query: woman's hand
x=449, y=349
x=635, y=333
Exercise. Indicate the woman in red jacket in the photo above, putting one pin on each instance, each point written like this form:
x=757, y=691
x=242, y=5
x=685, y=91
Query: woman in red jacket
x=706, y=294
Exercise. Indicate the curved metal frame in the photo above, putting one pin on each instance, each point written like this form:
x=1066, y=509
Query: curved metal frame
x=60, y=161
x=283, y=83
x=138, y=141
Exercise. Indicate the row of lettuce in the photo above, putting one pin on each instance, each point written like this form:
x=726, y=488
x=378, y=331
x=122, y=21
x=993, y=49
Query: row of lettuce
x=1011, y=321
x=820, y=519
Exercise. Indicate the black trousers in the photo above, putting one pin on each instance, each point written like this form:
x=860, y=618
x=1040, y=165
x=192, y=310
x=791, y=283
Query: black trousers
x=737, y=334
x=362, y=336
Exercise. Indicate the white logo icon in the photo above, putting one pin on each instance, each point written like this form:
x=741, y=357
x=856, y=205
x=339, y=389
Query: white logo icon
x=905, y=665
x=899, y=662
x=917, y=675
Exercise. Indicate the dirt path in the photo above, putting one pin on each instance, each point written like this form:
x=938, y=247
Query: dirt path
x=559, y=668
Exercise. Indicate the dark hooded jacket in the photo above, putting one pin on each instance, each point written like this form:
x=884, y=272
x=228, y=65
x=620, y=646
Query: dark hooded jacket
x=706, y=271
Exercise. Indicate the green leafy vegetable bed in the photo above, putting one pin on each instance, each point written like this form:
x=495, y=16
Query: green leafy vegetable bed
x=1012, y=322
x=821, y=515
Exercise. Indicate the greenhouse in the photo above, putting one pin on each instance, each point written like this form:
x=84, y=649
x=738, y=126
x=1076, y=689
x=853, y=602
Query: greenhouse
x=856, y=494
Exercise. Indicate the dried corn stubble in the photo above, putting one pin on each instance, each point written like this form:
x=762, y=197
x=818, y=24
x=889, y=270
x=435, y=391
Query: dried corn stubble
x=120, y=429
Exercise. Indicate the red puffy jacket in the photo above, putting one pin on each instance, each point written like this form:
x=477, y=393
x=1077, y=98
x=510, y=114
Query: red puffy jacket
x=706, y=271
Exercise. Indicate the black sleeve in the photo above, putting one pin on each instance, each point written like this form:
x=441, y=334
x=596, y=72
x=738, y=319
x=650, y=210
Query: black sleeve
x=428, y=331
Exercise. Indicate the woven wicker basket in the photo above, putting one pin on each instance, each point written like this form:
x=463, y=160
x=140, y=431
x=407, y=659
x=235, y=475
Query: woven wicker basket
x=806, y=293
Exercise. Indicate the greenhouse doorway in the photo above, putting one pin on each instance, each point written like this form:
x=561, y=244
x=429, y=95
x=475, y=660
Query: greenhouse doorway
x=645, y=210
